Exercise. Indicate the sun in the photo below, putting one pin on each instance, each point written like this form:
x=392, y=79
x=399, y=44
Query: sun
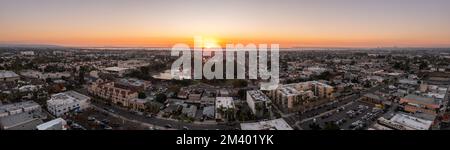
x=211, y=43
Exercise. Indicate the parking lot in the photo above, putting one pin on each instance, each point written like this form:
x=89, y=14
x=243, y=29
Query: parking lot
x=354, y=116
x=93, y=119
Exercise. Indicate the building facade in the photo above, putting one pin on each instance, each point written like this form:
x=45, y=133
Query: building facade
x=115, y=93
x=258, y=102
x=62, y=103
x=301, y=96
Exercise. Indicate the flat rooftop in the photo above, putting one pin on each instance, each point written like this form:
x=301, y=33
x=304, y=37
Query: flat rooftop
x=16, y=108
x=51, y=123
x=225, y=102
x=115, y=69
x=412, y=122
x=7, y=74
x=66, y=98
x=422, y=99
x=276, y=124
x=258, y=95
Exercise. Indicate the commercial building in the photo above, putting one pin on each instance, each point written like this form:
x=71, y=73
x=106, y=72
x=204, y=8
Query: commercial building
x=117, y=94
x=27, y=53
x=258, y=102
x=132, y=64
x=276, y=124
x=420, y=104
x=373, y=98
x=20, y=116
x=8, y=76
x=55, y=124
x=119, y=71
x=65, y=102
x=405, y=122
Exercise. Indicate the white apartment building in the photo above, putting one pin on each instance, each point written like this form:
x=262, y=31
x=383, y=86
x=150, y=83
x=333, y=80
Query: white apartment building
x=65, y=102
x=257, y=101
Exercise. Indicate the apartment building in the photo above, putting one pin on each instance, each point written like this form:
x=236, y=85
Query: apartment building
x=301, y=96
x=117, y=94
x=258, y=102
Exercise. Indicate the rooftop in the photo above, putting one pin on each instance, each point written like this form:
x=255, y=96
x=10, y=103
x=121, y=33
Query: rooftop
x=11, y=109
x=422, y=99
x=7, y=74
x=412, y=122
x=132, y=81
x=224, y=102
x=116, y=69
x=277, y=124
x=258, y=95
x=51, y=124
x=66, y=98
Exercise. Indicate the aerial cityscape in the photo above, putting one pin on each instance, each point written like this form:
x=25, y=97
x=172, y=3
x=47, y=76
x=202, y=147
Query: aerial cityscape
x=109, y=65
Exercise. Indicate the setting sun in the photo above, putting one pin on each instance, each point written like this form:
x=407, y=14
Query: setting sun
x=211, y=43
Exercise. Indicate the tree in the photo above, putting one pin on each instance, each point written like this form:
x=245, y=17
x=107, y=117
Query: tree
x=314, y=126
x=160, y=97
x=142, y=95
x=239, y=83
x=325, y=75
x=331, y=126
x=242, y=93
x=81, y=73
x=423, y=65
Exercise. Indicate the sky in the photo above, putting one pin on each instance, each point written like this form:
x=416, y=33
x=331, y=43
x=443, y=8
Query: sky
x=290, y=23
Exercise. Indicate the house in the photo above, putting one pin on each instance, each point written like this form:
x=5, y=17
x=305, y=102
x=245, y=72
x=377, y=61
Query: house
x=209, y=112
x=189, y=110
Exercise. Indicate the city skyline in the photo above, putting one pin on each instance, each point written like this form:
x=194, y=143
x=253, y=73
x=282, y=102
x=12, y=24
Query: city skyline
x=304, y=23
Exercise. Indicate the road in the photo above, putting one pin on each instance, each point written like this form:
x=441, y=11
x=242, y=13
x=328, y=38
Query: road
x=158, y=121
x=163, y=122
